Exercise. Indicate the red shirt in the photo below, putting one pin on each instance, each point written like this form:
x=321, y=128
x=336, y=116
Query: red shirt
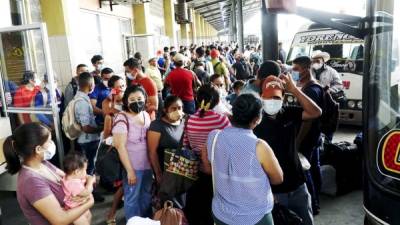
x=23, y=98
x=148, y=85
x=181, y=83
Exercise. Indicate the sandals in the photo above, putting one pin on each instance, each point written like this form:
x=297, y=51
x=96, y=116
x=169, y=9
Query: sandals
x=111, y=222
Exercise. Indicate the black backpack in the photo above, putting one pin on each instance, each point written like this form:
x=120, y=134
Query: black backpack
x=329, y=119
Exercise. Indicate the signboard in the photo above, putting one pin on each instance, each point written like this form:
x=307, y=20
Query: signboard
x=324, y=37
x=388, y=154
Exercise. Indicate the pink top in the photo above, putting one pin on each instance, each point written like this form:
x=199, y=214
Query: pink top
x=72, y=187
x=32, y=187
x=136, y=144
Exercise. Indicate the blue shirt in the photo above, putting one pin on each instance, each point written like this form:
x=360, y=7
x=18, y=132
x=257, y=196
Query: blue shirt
x=42, y=99
x=85, y=117
x=100, y=93
x=242, y=190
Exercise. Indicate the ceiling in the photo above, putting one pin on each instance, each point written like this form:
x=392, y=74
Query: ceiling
x=218, y=12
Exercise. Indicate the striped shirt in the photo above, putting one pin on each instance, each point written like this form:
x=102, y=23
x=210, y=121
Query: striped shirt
x=198, y=128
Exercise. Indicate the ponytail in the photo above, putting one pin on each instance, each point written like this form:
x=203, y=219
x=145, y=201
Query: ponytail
x=20, y=146
x=11, y=155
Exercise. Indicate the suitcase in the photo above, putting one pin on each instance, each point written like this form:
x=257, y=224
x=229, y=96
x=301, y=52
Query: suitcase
x=346, y=158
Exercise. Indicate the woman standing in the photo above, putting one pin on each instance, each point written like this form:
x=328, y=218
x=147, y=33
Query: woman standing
x=42, y=200
x=129, y=138
x=165, y=133
x=199, y=125
x=243, y=167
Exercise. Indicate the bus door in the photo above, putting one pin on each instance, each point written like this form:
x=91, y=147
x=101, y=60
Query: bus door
x=24, y=53
x=381, y=117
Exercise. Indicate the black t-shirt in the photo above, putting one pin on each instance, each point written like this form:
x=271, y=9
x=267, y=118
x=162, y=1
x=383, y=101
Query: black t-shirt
x=311, y=140
x=280, y=133
x=241, y=71
x=170, y=137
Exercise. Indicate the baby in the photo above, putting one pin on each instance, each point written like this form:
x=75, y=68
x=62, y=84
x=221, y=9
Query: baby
x=77, y=184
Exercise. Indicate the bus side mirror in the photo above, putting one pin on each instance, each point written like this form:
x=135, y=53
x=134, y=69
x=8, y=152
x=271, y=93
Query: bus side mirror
x=281, y=6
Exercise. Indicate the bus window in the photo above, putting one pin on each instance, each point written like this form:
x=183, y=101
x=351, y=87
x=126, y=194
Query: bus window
x=297, y=51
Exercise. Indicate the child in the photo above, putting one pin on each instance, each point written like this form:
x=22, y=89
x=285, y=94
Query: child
x=77, y=185
x=237, y=88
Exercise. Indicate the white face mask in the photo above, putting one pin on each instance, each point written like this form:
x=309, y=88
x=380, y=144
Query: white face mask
x=317, y=66
x=272, y=106
x=105, y=82
x=222, y=92
x=37, y=82
x=50, y=151
x=129, y=75
x=99, y=67
x=118, y=107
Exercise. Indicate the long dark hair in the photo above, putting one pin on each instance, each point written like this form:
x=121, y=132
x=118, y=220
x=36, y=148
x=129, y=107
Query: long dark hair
x=206, y=94
x=22, y=144
x=130, y=90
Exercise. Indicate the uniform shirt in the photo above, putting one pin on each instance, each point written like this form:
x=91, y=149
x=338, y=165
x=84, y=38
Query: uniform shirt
x=85, y=117
x=100, y=93
x=280, y=133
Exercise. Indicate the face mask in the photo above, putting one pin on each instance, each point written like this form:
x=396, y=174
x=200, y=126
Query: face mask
x=272, y=106
x=137, y=107
x=130, y=77
x=105, y=82
x=222, y=92
x=296, y=75
x=317, y=66
x=118, y=107
x=175, y=115
x=37, y=82
x=50, y=151
x=99, y=67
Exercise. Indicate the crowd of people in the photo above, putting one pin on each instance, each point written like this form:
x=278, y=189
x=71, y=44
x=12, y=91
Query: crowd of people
x=226, y=106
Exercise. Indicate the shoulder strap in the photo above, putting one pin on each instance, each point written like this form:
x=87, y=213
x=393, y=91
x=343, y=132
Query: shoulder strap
x=184, y=131
x=212, y=158
x=311, y=82
x=126, y=121
x=216, y=65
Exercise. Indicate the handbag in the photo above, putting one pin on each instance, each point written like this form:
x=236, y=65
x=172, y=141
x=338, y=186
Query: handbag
x=181, y=167
x=170, y=215
x=284, y=216
x=108, y=164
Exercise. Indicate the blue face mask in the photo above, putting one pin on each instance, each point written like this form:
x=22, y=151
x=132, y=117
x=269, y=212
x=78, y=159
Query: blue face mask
x=296, y=75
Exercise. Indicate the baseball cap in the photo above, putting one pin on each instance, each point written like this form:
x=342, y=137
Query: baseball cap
x=272, y=87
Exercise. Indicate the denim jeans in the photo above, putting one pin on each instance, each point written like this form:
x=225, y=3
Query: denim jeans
x=90, y=150
x=313, y=177
x=299, y=201
x=138, y=196
x=189, y=107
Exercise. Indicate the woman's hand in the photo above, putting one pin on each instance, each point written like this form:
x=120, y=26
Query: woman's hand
x=78, y=199
x=131, y=178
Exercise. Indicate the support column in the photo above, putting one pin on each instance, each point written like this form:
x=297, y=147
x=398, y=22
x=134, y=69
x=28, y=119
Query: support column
x=142, y=25
x=184, y=34
x=203, y=28
x=169, y=20
x=198, y=29
x=269, y=34
x=193, y=29
x=233, y=12
x=240, y=25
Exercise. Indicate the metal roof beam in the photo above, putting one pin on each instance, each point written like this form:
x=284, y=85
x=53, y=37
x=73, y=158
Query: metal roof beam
x=208, y=4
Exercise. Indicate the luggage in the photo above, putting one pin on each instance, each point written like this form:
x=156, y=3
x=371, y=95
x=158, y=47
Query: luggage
x=329, y=186
x=346, y=158
x=284, y=216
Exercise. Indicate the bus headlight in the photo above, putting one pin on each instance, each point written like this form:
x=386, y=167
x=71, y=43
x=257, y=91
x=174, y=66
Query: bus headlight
x=359, y=104
x=351, y=104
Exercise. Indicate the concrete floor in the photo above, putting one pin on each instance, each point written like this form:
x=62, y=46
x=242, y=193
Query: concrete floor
x=342, y=210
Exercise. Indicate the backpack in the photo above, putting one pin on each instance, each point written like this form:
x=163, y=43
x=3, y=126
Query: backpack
x=71, y=128
x=170, y=215
x=205, y=65
x=330, y=110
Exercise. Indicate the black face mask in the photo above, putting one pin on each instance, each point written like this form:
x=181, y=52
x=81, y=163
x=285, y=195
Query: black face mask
x=137, y=107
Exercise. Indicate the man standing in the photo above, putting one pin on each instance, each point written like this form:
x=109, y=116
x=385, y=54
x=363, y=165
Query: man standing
x=200, y=57
x=155, y=74
x=279, y=129
x=101, y=92
x=219, y=67
x=98, y=63
x=182, y=83
x=282, y=53
x=309, y=137
x=326, y=75
x=133, y=67
x=72, y=87
x=268, y=68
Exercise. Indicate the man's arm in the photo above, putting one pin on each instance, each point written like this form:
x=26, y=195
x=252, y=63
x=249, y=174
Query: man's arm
x=336, y=83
